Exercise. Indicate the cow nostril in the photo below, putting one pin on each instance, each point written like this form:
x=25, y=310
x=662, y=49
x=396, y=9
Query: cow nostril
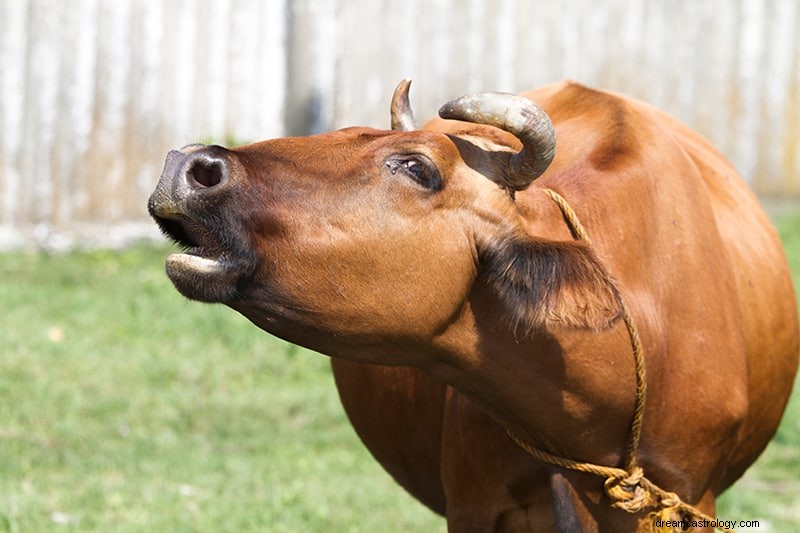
x=205, y=174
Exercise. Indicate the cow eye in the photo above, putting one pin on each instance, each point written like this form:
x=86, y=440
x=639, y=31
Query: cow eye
x=417, y=167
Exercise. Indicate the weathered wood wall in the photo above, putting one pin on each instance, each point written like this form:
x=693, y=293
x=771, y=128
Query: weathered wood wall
x=94, y=92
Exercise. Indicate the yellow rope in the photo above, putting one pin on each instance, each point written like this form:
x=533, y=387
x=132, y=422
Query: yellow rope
x=627, y=488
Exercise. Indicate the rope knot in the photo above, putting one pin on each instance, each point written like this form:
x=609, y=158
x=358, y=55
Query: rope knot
x=627, y=491
x=670, y=500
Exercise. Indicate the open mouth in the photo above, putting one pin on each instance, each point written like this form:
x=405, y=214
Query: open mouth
x=194, y=205
x=205, y=270
x=202, y=250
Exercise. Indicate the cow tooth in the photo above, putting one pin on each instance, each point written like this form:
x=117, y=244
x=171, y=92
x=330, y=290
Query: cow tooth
x=197, y=263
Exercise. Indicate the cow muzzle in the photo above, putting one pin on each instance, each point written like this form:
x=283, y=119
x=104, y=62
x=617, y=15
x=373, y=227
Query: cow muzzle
x=191, y=172
x=190, y=205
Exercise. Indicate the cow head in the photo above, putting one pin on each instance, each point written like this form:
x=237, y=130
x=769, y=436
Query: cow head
x=362, y=238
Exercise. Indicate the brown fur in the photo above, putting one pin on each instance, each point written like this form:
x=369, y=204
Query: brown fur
x=550, y=285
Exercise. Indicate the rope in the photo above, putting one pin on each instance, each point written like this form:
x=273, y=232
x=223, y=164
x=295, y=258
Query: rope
x=628, y=488
x=580, y=233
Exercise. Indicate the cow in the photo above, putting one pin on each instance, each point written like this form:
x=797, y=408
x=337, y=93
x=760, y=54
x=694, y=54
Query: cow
x=464, y=318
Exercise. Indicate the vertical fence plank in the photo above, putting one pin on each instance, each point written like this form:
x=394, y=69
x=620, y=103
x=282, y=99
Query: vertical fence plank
x=311, y=55
x=13, y=50
x=779, y=101
x=104, y=173
x=790, y=162
x=145, y=133
x=72, y=108
x=40, y=113
x=270, y=83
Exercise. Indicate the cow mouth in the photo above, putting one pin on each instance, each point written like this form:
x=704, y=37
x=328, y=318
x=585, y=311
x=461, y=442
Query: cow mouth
x=200, y=246
x=207, y=268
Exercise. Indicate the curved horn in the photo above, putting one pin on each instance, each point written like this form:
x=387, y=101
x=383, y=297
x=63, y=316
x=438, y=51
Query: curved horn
x=518, y=116
x=402, y=115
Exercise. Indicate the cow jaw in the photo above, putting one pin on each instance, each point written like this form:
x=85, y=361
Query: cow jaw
x=206, y=270
x=210, y=267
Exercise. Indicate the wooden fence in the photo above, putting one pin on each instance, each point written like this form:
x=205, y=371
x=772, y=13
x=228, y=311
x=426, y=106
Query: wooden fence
x=94, y=92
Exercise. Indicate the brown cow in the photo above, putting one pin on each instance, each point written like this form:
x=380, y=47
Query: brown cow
x=435, y=252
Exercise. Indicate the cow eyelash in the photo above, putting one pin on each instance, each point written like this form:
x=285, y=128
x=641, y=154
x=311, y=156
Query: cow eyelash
x=419, y=168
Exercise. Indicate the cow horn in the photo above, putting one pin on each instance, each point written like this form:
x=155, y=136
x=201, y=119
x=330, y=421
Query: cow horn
x=402, y=115
x=519, y=116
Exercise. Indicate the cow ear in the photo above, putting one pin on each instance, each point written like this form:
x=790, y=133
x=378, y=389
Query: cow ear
x=546, y=285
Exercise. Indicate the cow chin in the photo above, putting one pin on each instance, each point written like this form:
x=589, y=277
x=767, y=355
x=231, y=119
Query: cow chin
x=213, y=280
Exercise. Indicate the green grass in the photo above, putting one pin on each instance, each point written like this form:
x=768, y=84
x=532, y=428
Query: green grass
x=125, y=407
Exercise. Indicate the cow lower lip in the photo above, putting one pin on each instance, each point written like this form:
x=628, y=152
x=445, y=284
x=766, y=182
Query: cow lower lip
x=205, y=278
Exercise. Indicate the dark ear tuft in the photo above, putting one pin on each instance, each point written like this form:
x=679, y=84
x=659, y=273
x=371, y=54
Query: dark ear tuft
x=547, y=285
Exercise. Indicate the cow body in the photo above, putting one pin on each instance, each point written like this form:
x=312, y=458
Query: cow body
x=425, y=284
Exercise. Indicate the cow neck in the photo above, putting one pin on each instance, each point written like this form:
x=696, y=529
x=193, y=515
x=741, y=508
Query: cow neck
x=627, y=487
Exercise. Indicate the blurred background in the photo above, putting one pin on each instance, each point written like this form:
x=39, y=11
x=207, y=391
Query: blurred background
x=123, y=407
x=93, y=93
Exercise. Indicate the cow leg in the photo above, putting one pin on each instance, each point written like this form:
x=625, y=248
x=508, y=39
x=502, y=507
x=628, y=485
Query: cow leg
x=570, y=515
x=490, y=483
x=397, y=413
x=580, y=505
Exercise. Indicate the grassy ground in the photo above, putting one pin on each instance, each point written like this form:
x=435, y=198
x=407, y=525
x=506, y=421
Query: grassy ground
x=126, y=408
